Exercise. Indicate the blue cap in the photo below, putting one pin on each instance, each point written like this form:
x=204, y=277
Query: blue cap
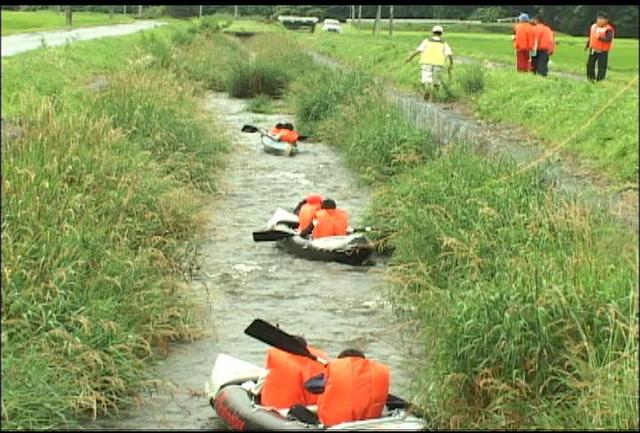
x=523, y=17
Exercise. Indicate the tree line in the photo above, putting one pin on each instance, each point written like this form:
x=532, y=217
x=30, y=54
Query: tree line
x=570, y=19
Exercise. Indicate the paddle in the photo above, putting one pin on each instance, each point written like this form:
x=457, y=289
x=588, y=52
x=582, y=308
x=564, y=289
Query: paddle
x=251, y=128
x=276, y=337
x=270, y=235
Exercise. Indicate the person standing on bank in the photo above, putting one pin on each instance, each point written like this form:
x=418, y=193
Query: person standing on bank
x=434, y=53
x=523, y=41
x=599, y=44
x=544, y=46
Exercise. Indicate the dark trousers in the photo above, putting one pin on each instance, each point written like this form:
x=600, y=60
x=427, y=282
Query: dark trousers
x=601, y=59
x=540, y=62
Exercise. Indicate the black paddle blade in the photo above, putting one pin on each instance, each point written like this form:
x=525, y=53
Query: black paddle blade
x=269, y=236
x=275, y=337
x=249, y=128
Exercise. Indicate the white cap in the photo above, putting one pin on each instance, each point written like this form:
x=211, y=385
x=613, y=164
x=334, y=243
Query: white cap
x=437, y=29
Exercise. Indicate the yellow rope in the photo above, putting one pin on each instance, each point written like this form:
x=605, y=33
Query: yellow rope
x=554, y=149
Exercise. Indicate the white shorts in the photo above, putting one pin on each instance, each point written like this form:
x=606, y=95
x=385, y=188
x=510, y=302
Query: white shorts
x=431, y=74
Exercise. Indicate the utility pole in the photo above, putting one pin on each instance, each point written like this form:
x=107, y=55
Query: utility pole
x=125, y=10
x=200, y=13
x=111, y=10
x=140, y=10
x=390, y=20
x=376, y=24
x=235, y=12
x=68, y=18
x=359, y=16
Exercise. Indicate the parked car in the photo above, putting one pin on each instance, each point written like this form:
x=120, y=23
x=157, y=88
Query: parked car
x=331, y=26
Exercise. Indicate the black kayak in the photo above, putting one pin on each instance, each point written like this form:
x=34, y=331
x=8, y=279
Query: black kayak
x=230, y=391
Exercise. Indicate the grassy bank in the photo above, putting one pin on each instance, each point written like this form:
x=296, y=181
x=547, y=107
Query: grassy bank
x=526, y=300
x=550, y=109
x=107, y=163
x=23, y=22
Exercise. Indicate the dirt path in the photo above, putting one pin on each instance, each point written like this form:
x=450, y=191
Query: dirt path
x=333, y=305
x=448, y=122
x=20, y=43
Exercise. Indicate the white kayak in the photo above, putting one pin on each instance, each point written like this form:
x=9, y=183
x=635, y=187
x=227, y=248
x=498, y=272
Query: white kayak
x=275, y=147
x=231, y=391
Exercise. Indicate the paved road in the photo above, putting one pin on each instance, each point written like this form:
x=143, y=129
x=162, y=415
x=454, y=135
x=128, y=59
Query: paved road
x=16, y=44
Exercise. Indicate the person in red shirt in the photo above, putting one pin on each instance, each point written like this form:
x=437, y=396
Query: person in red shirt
x=544, y=46
x=523, y=40
x=599, y=44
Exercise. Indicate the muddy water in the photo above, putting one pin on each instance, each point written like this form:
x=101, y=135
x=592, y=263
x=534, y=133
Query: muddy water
x=333, y=305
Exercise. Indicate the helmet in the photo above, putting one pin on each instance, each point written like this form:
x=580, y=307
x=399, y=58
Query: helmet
x=314, y=199
x=437, y=29
x=523, y=17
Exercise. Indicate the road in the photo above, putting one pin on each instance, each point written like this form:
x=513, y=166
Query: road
x=20, y=43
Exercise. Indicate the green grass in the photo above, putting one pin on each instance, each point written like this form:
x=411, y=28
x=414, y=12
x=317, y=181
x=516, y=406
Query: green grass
x=23, y=22
x=102, y=194
x=609, y=144
x=526, y=301
x=252, y=26
x=261, y=104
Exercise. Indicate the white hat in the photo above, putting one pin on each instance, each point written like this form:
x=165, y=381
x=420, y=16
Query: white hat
x=437, y=29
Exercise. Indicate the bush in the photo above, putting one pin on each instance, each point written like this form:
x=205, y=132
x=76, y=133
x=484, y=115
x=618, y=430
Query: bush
x=257, y=77
x=471, y=78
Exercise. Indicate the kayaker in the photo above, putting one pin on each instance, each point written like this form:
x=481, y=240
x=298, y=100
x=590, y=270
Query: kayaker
x=307, y=208
x=285, y=132
x=523, y=41
x=599, y=44
x=328, y=221
x=352, y=388
x=544, y=46
x=434, y=53
x=284, y=384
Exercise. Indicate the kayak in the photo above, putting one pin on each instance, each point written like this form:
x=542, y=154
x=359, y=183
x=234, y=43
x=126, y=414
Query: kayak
x=275, y=147
x=233, y=394
x=351, y=249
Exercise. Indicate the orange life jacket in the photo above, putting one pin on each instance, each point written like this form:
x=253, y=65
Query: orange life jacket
x=544, y=38
x=524, y=37
x=330, y=222
x=307, y=213
x=596, y=32
x=287, y=135
x=355, y=389
x=284, y=385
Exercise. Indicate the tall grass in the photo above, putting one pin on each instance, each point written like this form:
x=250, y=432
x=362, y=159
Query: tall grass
x=527, y=300
x=258, y=76
x=101, y=198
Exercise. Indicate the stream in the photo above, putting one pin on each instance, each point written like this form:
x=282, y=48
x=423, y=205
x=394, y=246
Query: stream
x=334, y=306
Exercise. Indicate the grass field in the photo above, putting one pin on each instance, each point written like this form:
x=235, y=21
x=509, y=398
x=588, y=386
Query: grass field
x=525, y=299
x=107, y=164
x=23, y=22
x=550, y=109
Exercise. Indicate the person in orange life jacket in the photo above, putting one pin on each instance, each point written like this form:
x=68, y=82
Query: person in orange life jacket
x=285, y=132
x=283, y=385
x=523, y=40
x=599, y=44
x=352, y=388
x=307, y=208
x=328, y=221
x=544, y=46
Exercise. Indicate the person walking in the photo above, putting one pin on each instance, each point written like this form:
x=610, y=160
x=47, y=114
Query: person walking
x=599, y=44
x=544, y=45
x=523, y=41
x=434, y=54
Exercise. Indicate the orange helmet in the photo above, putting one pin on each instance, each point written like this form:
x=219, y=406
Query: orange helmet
x=314, y=199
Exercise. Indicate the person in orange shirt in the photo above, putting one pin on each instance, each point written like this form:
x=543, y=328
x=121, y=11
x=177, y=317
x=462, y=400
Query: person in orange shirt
x=287, y=373
x=599, y=44
x=285, y=132
x=307, y=208
x=544, y=46
x=523, y=40
x=352, y=388
x=328, y=221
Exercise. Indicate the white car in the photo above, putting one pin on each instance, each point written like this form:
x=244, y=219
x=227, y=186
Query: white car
x=331, y=26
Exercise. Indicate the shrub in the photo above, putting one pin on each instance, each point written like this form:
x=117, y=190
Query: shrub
x=257, y=77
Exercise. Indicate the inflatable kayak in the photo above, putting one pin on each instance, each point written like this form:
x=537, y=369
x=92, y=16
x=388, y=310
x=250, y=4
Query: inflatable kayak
x=232, y=392
x=275, y=147
x=351, y=249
